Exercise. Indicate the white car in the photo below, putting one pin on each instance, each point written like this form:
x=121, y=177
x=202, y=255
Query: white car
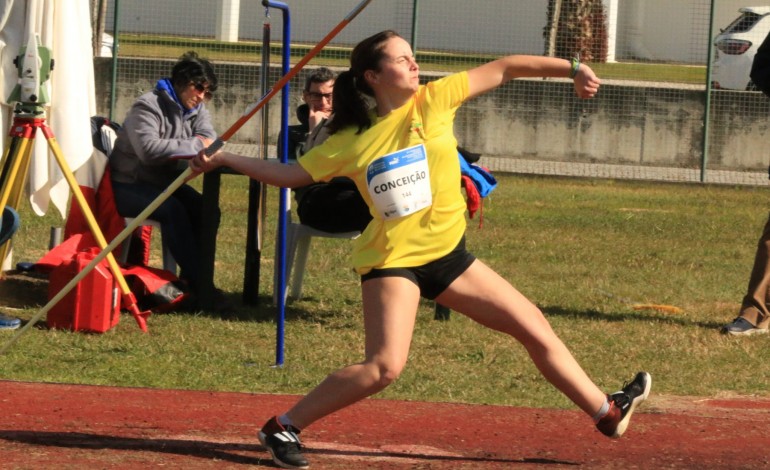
x=736, y=46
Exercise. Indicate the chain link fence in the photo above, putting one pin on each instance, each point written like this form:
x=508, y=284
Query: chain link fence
x=669, y=107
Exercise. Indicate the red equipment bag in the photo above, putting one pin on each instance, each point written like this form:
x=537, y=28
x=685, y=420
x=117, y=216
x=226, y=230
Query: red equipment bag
x=93, y=305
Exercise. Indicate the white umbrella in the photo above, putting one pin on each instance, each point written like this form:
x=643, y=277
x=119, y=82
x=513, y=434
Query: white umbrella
x=65, y=28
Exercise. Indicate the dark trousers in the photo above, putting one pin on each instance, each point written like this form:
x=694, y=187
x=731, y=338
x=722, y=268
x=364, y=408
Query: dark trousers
x=754, y=307
x=179, y=217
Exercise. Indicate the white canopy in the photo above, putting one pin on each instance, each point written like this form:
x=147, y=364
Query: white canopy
x=65, y=28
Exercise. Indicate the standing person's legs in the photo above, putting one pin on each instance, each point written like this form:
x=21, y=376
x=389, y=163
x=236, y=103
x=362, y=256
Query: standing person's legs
x=484, y=296
x=754, y=307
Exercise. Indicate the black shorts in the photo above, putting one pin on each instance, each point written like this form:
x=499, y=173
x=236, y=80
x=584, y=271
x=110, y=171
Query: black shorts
x=432, y=278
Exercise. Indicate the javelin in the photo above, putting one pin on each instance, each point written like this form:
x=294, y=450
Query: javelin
x=188, y=174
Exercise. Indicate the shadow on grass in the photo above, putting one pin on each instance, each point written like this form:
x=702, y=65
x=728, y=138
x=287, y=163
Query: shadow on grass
x=232, y=452
x=644, y=316
x=265, y=311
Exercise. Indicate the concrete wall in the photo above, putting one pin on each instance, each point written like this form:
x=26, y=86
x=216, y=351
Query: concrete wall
x=528, y=119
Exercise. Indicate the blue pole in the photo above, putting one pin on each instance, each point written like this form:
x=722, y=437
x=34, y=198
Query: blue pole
x=114, y=78
x=284, y=192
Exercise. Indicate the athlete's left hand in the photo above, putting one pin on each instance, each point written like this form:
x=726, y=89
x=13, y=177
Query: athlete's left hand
x=586, y=82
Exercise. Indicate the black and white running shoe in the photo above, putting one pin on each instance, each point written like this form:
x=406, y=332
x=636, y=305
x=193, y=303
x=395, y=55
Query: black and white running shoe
x=623, y=404
x=283, y=444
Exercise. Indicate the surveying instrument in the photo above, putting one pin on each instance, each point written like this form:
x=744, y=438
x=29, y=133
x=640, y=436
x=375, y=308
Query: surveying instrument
x=34, y=65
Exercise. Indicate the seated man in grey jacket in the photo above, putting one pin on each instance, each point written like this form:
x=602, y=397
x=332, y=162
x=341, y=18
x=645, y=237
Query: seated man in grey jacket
x=169, y=121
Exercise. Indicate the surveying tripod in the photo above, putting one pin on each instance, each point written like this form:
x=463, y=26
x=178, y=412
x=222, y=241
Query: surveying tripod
x=29, y=116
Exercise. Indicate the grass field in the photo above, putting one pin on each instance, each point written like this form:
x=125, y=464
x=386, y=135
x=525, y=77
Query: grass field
x=584, y=250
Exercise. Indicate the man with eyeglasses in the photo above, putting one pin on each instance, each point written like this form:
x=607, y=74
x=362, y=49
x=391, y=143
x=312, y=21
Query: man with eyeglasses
x=334, y=206
x=168, y=122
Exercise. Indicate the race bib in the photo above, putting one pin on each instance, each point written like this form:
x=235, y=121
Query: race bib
x=399, y=183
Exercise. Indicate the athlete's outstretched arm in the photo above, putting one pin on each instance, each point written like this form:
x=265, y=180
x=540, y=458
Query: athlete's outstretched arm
x=493, y=74
x=271, y=172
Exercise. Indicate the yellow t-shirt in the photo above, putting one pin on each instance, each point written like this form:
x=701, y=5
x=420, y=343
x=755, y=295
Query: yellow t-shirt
x=423, y=227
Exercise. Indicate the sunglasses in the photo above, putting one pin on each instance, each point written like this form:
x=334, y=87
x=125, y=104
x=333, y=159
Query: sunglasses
x=201, y=88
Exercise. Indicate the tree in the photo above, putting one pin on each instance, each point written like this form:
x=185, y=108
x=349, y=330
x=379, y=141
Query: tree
x=98, y=18
x=576, y=26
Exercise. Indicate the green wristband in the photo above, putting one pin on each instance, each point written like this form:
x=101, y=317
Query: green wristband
x=575, y=67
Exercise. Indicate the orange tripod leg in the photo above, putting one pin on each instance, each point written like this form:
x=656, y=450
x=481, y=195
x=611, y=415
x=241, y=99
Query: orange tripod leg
x=15, y=167
x=128, y=297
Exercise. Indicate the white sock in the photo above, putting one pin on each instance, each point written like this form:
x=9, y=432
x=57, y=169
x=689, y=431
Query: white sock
x=602, y=411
